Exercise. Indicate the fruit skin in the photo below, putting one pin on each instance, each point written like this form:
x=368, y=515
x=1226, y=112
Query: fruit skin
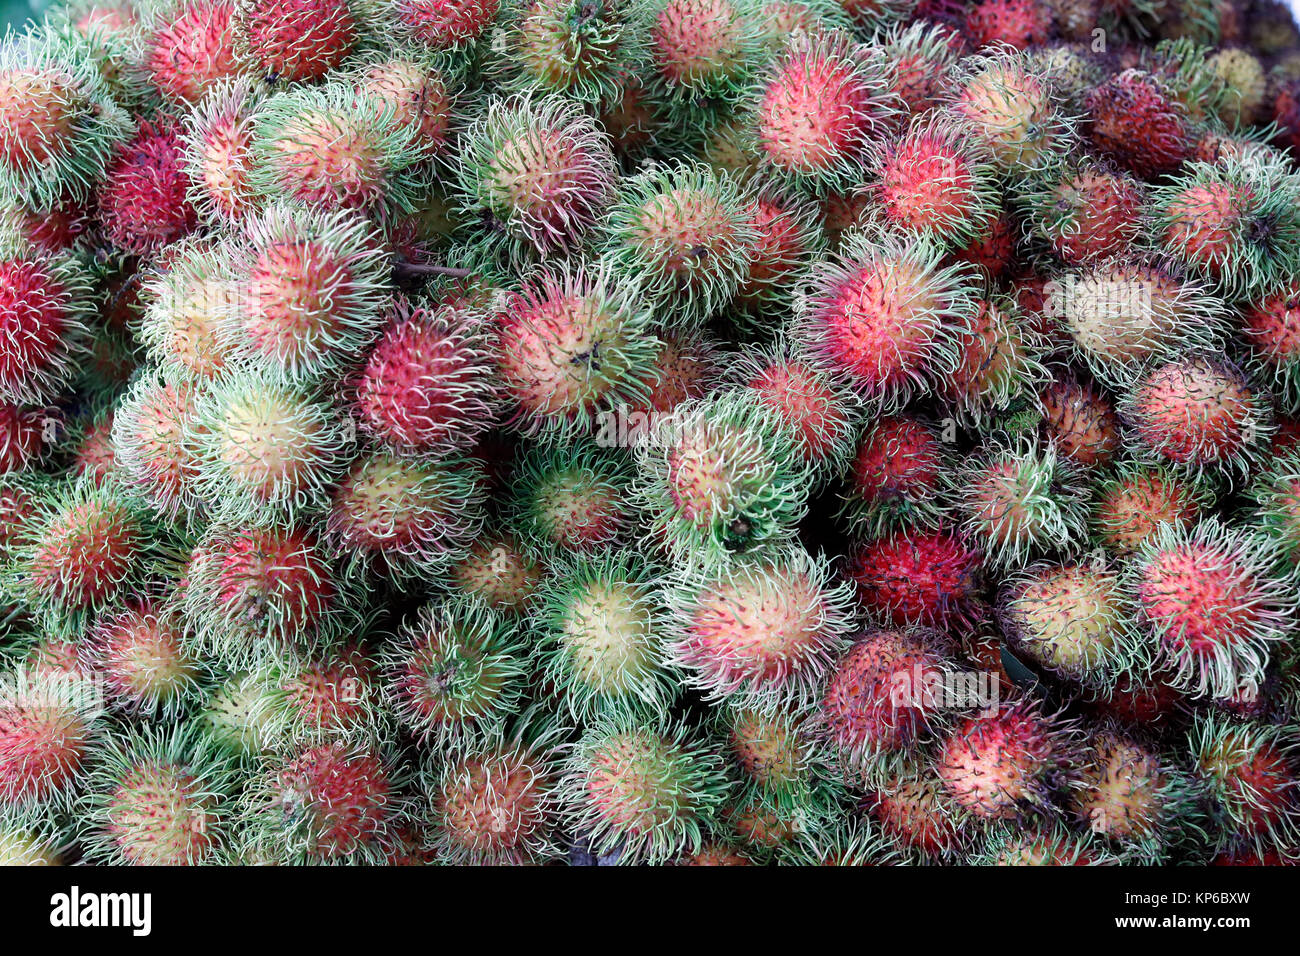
x=575, y=343
x=646, y=790
x=149, y=451
x=60, y=123
x=1013, y=109
x=144, y=202
x=295, y=40
x=1211, y=604
x=141, y=653
x=919, y=577
x=438, y=25
x=819, y=108
x=188, y=302
x=1086, y=211
x=327, y=147
x=912, y=808
x=455, y=672
x=157, y=796
x=601, y=637
x=1271, y=327
x=45, y=306
x=721, y=478
x=535, y=174
x=49, y=719
x=883, y=315
x=687, y=232
x=1129, y=505
x=1199, y=414
x=763, y=634
x=894, y=476
x=703, y=52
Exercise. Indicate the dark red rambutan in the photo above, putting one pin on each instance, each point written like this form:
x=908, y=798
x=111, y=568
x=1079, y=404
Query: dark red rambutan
x=918, y=577
x=1136, y=120
x=143, y=203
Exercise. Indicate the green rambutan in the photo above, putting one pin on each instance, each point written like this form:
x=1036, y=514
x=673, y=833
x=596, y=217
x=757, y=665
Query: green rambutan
x=218, y=138
x=31, y=839
x=535, y=175
x=149, y=449
x=721, y=477
x=688, y=233
x=1211, y=605
x=265, y=449
x=1275, y=493
x=855, y=843
x=1072, y=619
x=157, y=796
x=644, y=790
x=922, y=55
x=763, y=633
x=579, y=48
x=235, y=716
x=406, y=517
x=1045, y=843
x=335, y=696
x=188, y=302
x=455, y=671
x=703, y=52
x=329, y=148
x=572, y=498
x=1020, y=501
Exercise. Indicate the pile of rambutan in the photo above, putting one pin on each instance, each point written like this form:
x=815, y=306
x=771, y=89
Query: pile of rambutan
x=698, y=432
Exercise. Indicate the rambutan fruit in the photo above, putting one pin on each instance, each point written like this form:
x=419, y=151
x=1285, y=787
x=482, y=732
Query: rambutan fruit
x=325, y=697
x=688, y=233
x=1211, y=605
x=94, y=456
x=498, y=805
x=778, y=20
x=854, y=843
x=819, y=109
x=1000, y=361
x=417, y=92
x=883, y=316
x=1003, y=763
x=1136, y=119
x=1072, y=619
x=1020, y=501
x=406, y=516
x=265, y=448
x=218, y=137
x=579, y=49
x=1235, y=223
x=922, y=54
x=328, y=148
x=1080, y=420
x=914, y=576
x=535, y=174
x=886, y=697
x=819, y=412
x=1018, y=24
x=60, y=228
x=775, y=755
x=632, y=117
x=1271, y=327
x=914, y=809
x=149, y=448
x=236, y=717
x=602, y=630
x=763, y=633
x=703, y=52
x=443, y=25
x=575, y=344
x=333, y=803
x=994, y=249
x=1132, y=795
x=789, y=239
x=1199, y=413
x=1130, y=505
x=894, y=478
x=189, y=47
x=1086, y=211
x=59, y=125
x=312, y=291
x=141, y=654
x=251, y=591
x=1122, y=315
x=720, y=478
x=1012, y=109
x=31, y=839
x=455, y=671
x=157, y=796
x=82, y=548
x=144, y=201
x=1249, y=771
x=1275, y=493
x=572, y=498
x=45, y=300
x=1045, y=843
x=646, y=790
x=930, y=182
x=687, y=365
x=49, y=719
x=189, y=301
x=499, y=571
x=295, y=41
